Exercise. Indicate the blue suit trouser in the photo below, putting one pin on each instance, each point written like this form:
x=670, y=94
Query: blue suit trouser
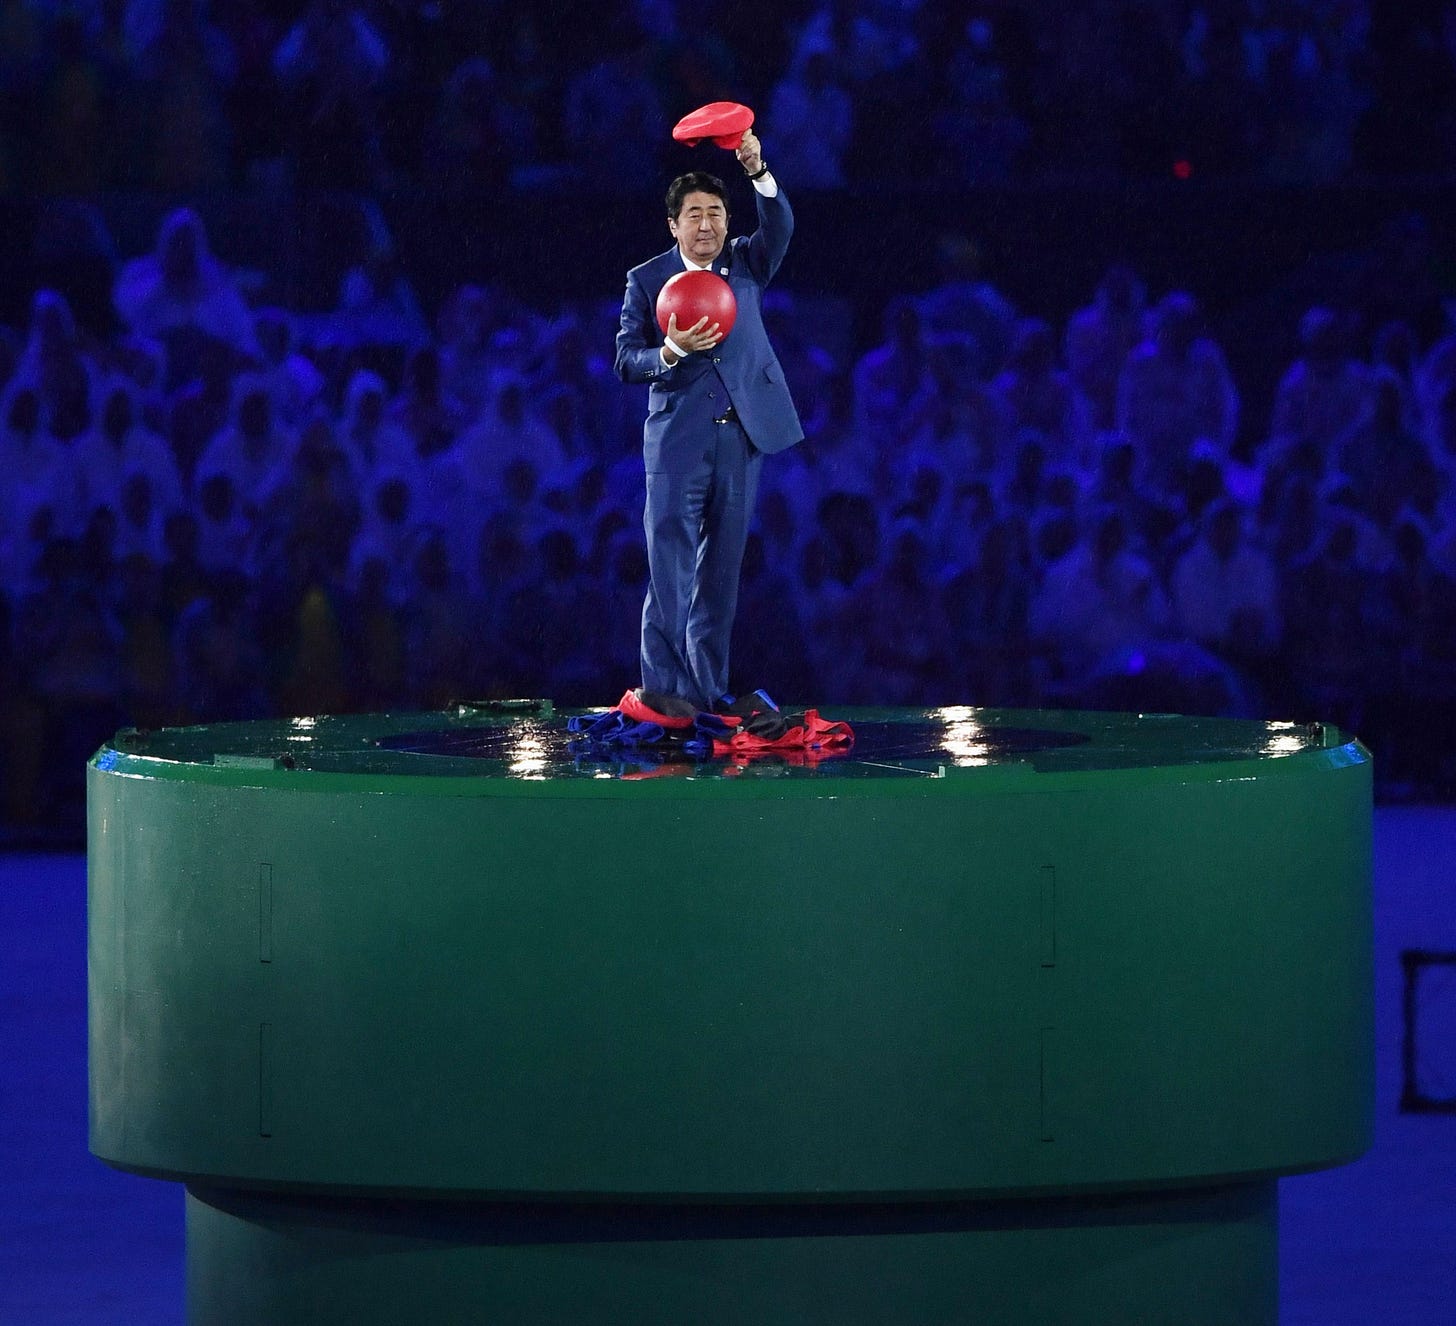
x=697, y=525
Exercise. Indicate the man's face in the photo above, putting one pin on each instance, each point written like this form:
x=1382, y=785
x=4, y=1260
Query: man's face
x=700, y=227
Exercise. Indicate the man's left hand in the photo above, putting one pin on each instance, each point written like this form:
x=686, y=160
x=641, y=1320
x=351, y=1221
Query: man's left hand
x=750, y=153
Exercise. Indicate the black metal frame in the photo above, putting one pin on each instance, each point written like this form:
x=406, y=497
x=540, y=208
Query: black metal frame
x=1413, y=1099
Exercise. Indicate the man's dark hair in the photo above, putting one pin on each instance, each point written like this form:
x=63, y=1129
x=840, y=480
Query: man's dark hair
x=695, y=181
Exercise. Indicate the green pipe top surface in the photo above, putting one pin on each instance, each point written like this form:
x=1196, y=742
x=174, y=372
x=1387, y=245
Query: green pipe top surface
x=517, y=747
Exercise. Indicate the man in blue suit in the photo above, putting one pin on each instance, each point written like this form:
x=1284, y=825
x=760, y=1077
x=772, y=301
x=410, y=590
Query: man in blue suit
x=715, y=406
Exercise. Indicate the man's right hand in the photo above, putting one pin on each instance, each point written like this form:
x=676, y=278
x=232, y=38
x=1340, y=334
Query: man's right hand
x=700, y=336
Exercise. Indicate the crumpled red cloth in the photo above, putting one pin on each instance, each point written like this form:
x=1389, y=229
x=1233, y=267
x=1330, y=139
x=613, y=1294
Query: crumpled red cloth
x=639, y=711
x=810, y=733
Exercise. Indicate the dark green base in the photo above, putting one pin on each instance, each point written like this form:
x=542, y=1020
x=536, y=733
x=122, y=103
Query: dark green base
x=1204, y=1258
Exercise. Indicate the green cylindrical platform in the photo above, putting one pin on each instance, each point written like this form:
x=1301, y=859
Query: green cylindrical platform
x=1007, y=1017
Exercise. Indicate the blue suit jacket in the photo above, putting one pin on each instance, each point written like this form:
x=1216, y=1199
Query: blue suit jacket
x=742, y=368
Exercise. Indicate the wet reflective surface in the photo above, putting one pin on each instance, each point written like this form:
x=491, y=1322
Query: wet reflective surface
x=528, y=739
x=918, y=738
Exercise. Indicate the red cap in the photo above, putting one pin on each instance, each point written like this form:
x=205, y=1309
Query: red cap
x=722, y=121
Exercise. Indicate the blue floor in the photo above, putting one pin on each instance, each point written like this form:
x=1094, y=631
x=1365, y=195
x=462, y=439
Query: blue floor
x=1372, y=1244
x=79, y=1243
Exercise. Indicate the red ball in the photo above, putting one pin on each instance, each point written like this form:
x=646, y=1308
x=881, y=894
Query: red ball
x=697, y=294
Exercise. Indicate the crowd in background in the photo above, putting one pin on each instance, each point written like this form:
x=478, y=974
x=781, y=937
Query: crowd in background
x=226, y=511
x=189, y=95
x=223, y=497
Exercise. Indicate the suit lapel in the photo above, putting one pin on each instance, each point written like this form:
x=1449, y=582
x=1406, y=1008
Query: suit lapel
x=666, y=266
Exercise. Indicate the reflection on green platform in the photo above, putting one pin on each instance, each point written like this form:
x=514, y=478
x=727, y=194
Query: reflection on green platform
x=528, y=739
x=1081, y=1003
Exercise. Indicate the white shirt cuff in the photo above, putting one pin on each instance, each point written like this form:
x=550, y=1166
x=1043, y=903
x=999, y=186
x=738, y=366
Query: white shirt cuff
x=768, y=186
